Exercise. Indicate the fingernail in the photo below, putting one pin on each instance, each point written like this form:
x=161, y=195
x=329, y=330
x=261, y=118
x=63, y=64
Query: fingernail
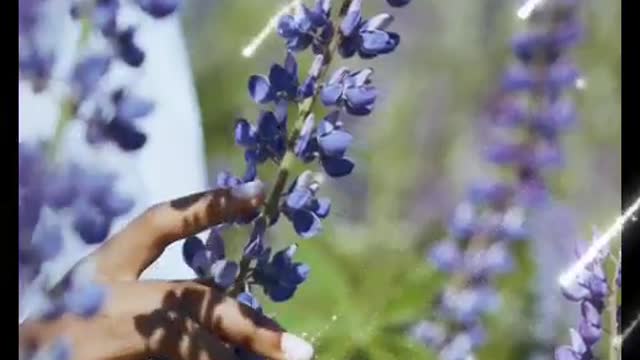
x=295, y=348
x=247, y=190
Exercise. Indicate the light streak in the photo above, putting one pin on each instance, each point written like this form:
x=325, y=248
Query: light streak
x=569, y=276
x=250, y=50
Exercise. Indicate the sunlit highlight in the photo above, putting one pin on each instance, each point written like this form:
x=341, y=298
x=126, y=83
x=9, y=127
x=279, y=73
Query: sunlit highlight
x=568, y=277
x=527, y=8
x=255, y=43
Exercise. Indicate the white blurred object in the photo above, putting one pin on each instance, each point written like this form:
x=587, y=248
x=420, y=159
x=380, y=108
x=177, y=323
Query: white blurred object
x=170, y=165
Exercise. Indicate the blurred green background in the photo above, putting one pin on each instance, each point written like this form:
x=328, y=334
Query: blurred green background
x=414, y=156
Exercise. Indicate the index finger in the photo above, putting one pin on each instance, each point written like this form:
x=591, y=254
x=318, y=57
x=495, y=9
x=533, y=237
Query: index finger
x=129, y=252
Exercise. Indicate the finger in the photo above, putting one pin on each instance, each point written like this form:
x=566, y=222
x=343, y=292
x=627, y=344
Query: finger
x=163, y=334
x=133, y=249
x=218, y=314
x=177, y=337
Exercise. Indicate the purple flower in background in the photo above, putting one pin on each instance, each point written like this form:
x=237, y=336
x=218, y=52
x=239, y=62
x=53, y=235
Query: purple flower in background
x=90, y=195
x=52, y=192
x=37, y=53
x=482, y=228
x=87, y=74
x=104, y=16
x=92, y=198
x=27, y=15
x=118, y=121
x=429, y=333
x=36, y=66
x=59, y=350
x=446, y=256
x=126, y=47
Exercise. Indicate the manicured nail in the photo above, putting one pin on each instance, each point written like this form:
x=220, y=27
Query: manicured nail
x=295, y=348
x=248, y=190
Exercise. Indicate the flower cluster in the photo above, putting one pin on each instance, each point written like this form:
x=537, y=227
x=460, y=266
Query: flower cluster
x=590, y=289
x=49, y=199
x=275, y=139
x=527, y=120
x=53, y=195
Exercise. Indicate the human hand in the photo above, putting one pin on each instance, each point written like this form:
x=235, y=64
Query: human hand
x=179, y=320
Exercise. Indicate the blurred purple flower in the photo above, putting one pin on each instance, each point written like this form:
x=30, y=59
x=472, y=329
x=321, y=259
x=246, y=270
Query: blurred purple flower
x=493, y=215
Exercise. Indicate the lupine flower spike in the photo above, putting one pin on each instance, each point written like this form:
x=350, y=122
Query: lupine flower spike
x=274, y=138
x=535, y=109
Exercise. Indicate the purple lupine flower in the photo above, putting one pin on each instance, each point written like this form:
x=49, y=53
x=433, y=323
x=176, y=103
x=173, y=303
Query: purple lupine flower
x=77, y=293
x=351, y=90
x=302, y=207
x=308, y=27
x=578, y=350
x=85, y=300
x=27, y=15
x=545, y=46
x=282, y=84
x=367, y=38
x=328, y=142
x=266, y=140
x=117, y=123
x=280, y=276
x=445, y=256
x=86, y=75
x=466, y=305
x=159, y=8
x=90, y=195
x=37, y=53
x=104, y=16
x=560, y=76
x=486, y=263
x=398, y=3
x=126, y=47
x=96, y=204
x=429, y=333
x=60, y=350
x=37, y=67
x=92, y=198
x=590, y=290
x=590, y=285
x=208, y=259
x=249, y=300
x=39, y=242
